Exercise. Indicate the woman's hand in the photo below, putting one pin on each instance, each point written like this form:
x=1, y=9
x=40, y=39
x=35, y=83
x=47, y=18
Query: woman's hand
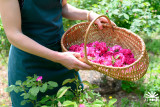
x=70, y=61
x=99, y=21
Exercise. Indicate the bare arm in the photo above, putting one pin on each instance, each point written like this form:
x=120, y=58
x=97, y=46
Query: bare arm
x=10, y=14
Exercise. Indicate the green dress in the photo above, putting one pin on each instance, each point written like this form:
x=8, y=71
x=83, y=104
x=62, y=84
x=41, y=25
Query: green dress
x=42, y=22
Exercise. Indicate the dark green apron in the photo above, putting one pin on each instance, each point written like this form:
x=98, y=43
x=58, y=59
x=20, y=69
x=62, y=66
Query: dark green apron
x=41, y=21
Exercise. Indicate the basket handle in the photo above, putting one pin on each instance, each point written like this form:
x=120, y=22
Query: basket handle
x=86, y=35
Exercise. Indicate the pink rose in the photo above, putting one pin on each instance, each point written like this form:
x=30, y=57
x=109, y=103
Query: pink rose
x=119, y=60
x=82, y=45
x=108, y=60
x=74, y=48
x=129, y=60
x=81, y=105
x=125, y=51
x=116, y=48
x=39, y=78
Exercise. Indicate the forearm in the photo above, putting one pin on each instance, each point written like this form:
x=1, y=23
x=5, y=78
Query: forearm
x=74, y=13
x=32, y=47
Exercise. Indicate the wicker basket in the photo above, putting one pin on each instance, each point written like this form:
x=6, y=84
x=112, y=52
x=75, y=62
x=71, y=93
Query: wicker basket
x=112, y=35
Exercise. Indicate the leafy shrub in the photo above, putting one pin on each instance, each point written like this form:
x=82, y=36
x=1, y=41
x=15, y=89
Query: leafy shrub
x=65, y=96
x=4, y=43
x=134, y=15
x=128, y=86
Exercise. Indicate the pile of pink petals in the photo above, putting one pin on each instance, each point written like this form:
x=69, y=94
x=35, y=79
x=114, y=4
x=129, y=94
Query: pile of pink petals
x=98, y=52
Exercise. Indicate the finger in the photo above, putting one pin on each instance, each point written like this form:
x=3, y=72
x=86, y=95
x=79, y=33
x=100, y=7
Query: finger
x=81, y=59
x=83, y=66
x=102, y=19
x=99, y=24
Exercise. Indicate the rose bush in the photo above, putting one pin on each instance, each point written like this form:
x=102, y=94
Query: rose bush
x=65, y=97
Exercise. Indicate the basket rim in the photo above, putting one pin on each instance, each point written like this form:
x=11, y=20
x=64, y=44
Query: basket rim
x=114, y=27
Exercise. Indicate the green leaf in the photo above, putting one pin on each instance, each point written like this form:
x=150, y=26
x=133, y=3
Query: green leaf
x=69, y=93
x=34, y=91
x=53, y=84
x=88, y=84
x=68, y=81
x=137, y=10
x=23, y=102
x=126, y=16
x=69, y=103
x=95, y=86
x=16, y=89
x=32, y=97
x=19, y=82
x=43, y=88
x=117, y=56
x=98, y=102
x=116, y=12
x=10, y=88
x=62, y=91
x=158, y=16
x=112, y=101
x=25, y=95
x=90, y=94
x=113, y=60
x=62, y=99
x=44, y=99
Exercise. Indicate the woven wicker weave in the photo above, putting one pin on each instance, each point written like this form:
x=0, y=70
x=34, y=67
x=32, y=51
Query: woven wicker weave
x=112, y=35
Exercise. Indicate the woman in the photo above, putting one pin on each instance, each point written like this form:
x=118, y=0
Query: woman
x=34, y=28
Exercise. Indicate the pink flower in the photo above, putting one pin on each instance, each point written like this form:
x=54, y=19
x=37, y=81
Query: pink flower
x=116, y=48
x=108, y=60
x=129, y=60
x=125, y=51
x=98, y=60
x=90, y=51
x=135, y=14
x=106, y=11
x=104, y=100
x=74, y=48
x=90, y=45
x=98, y=52
x=120, y=59
x=81, y=105
x=82, y=45
x=39, y=78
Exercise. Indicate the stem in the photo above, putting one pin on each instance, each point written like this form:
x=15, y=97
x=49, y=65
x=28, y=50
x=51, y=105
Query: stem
x=26, y=93
x=78, y=93
x=52, y=105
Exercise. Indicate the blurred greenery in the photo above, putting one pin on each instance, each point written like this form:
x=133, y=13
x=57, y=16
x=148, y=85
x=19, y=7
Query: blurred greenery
x=139, y=16
x=4, y=45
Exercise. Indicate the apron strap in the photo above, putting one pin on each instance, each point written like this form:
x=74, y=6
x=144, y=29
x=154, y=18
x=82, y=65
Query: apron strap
x=21, y=3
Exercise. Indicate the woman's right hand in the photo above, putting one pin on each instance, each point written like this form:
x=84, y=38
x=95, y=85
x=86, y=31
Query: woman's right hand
x=70, y=60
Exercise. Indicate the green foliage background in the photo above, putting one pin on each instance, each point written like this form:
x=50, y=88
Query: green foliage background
x=139, y=16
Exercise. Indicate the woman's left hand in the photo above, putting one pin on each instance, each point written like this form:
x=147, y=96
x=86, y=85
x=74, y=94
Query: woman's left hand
x=100, y=20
